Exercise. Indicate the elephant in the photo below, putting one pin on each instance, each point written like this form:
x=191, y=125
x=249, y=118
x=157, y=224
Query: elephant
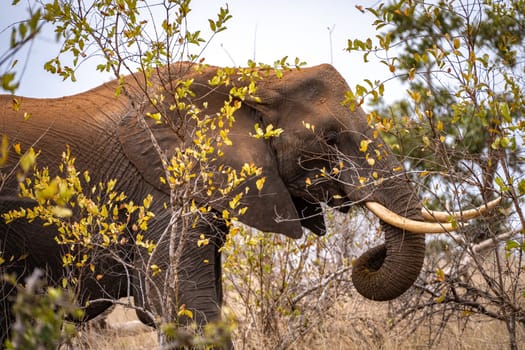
x=319, y=159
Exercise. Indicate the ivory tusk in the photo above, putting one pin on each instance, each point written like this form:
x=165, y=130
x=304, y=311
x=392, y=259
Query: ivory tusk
x=410, y=225
x=443, y=216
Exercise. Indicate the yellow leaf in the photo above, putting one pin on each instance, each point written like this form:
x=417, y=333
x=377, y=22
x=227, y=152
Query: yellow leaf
x=416, y=96
x=16, y=104
x=441, y=298
x=225, y=138
x=23, y=257
x=61, y=212
x=104, y=211
x=235, y=201
x=466, y=313
x=155, y=116
x=456, y=43
x=258, y=131
x=4, y=149
x=184, y=312
x=411, y=74
x=260, y=183
x=155, y=270
x=147, y=201
x=203, y=241
x=440, y=275
x=242, y=211
x=307, y=125
x=28, y=159
x=364, y=145
x=308, y=181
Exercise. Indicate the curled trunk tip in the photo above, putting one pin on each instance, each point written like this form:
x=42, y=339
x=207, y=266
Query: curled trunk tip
x=385, y=272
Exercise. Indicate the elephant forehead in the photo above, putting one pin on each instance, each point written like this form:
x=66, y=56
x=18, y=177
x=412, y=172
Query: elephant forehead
x=325, y=112
x=320, y=117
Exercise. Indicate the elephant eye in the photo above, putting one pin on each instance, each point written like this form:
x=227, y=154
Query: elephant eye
x=331, y=138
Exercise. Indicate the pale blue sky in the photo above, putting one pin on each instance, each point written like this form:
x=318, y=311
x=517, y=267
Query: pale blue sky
x=264, y=30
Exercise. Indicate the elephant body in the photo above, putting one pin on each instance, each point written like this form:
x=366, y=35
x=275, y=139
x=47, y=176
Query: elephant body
x=98, y=150
x=49, y=130
x=106, y=138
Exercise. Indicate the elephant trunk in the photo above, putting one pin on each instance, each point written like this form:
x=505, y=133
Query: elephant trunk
x=387, y=271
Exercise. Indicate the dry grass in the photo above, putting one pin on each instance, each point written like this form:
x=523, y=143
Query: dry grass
x=115, y=337
x=363, y=324
x=350, y=322
x=353, y=324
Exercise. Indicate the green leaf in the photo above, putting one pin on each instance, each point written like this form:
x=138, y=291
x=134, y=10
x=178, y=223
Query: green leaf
x=503, y=187
x=28, y=160
x=22, y=28
x=8, y=83
x=213, y=26
x=512, y=245
x=521, y=187
x=4, y=150
x=505, y=112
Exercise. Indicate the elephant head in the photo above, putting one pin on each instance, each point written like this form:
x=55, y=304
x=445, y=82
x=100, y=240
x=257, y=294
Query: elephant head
x=326, y=154
x=321, y=157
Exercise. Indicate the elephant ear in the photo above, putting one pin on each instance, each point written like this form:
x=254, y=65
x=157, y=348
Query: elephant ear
x=271, y=209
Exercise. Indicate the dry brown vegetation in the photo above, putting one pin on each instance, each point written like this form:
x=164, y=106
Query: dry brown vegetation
x=355, y=323
x=318, y=307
